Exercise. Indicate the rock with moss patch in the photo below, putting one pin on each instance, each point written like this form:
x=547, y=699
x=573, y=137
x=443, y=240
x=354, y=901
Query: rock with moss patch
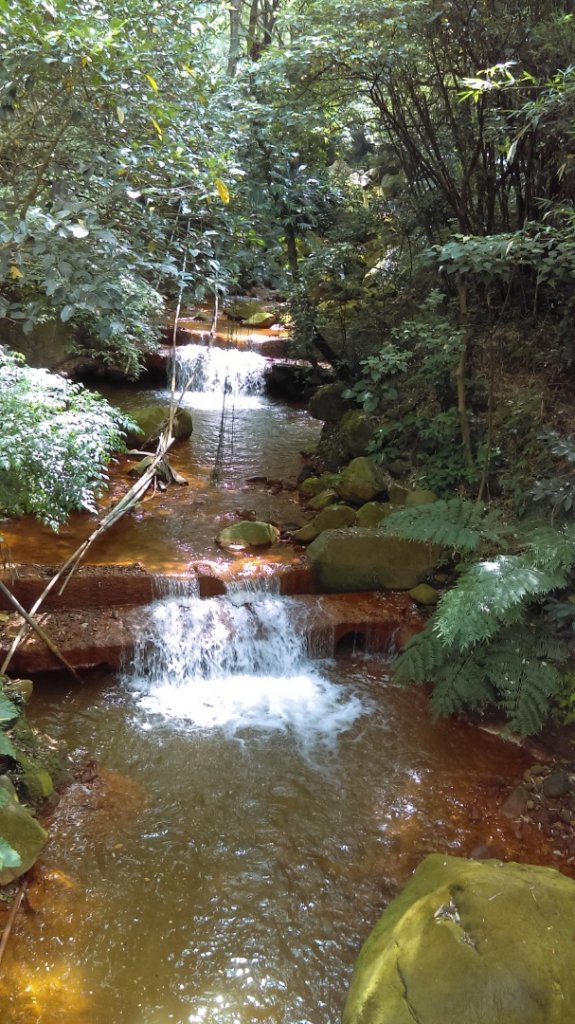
x=331, y=518
x=323, y=499
x=151, y=420
x=373, y=513
x=356, y=430
x=20, y=830
x=247, y=534
x=424, y=594
x=361, y=559
x=360, y=481
x=470, y=941
x=420, y=496
x=328, y=403
x=314, y=485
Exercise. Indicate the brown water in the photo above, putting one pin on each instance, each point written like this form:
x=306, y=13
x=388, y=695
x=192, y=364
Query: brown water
x=228, y=875
x=243, y=434
x=252, y=812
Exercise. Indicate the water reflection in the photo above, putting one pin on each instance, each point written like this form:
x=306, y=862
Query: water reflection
x=232, y=879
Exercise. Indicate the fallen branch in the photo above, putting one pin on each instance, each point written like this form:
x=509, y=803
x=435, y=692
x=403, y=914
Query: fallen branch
x=126, y=502
x=11, y=919
x=31, y=621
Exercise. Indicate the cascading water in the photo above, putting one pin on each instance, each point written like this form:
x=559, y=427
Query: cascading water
x=238, y=663
x=210, y=370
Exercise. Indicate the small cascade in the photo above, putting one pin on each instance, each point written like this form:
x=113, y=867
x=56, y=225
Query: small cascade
x=209, y=369
x=237, y=663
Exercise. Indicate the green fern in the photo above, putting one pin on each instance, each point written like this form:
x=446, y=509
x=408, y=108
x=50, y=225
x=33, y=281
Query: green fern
x=552, y=549
x=487, y=642
x=489, y=595
x=452, y=523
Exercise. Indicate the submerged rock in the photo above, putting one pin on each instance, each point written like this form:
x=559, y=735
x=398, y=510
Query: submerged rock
x=361, y=559
x=470, y=941
x=247, y=534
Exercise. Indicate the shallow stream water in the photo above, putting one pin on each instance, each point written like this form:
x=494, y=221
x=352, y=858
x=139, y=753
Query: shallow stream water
x=253, y=809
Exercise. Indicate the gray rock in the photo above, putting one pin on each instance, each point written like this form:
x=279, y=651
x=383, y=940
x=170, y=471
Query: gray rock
x=359, y=559
x=557, y=784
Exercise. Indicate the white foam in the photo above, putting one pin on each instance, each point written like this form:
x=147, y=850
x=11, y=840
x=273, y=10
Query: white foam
x=237, y=664
x=209, y=370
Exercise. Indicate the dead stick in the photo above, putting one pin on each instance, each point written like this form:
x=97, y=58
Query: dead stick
x=38, y=629
x=123, y=505
x=11, y=919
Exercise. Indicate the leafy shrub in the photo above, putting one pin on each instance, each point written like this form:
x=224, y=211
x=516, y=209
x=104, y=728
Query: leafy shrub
x=55, y=442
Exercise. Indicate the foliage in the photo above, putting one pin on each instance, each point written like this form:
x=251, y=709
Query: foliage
x=56, y=440
x=558, y=490
x=489, y=642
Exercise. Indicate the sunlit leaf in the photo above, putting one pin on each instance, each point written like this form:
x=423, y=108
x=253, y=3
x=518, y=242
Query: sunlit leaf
x=157, y=128
x=153, y=83
x=223, y=191
x=15, y=272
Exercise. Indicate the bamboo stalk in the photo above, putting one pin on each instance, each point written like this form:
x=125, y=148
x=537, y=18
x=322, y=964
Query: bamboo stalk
x=31, y=621
x=11, y=919
x=123, y=505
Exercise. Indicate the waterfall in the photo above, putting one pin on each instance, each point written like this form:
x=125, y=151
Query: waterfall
x=237, y=663
x=209, y=369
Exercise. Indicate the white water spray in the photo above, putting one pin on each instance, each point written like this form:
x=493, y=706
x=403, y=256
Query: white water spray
x=209, y=370
x=237, y=663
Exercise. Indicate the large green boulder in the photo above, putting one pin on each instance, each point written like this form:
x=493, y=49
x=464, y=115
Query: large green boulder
x=330, y=518
x=470, y=942
x=247, y=534
x=360, y=481
x=152, y=418
x=362, y=559
x=314, y=485
x=20, y=830
x=374, y=512
x=356, y=430
x=328, y=403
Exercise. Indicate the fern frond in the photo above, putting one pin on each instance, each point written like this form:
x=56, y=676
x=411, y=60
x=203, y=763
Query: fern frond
x=488, y=596
x=552, y=549
x=420, y=658
x=461, y=684
x=452, y=523
x=516, y=672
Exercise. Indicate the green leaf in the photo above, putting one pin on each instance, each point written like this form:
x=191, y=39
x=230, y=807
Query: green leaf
x=8, y=710
x=9, y=857
x=7, y=748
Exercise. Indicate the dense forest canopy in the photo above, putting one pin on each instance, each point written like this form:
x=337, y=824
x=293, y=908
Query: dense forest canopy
x=401, y=177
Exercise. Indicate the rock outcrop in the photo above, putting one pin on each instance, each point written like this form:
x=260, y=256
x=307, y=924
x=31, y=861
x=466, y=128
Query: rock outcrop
x=362, y=559
x=470, y=942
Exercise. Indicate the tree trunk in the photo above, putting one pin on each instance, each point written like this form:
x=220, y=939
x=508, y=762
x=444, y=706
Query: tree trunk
x=234, y=47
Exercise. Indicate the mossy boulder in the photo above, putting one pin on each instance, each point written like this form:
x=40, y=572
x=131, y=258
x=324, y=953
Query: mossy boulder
x=323, y=499
x=360, y=481
x=151, y=420
x=424, y=594
x=373, y=513
x=247, y=534
x=328, y=403
x=314, y=485
x=330, y=518
x=356, y=430
x=470, y=942
x=359, y=559
x=22, y=832
x=420, y=496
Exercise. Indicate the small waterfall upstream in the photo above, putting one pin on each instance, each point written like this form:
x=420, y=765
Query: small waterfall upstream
x=209, y=370
x=238, y=663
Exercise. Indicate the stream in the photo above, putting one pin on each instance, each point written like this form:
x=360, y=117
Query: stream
x=255, y=803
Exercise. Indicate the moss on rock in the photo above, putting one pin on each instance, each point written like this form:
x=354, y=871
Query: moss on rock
x=470, y=942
